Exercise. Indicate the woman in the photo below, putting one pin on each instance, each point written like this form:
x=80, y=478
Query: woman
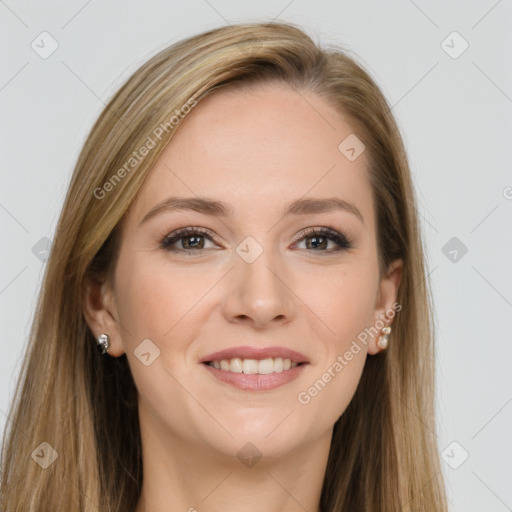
x=240, y=242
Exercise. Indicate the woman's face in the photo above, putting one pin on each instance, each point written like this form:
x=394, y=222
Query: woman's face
x=253, y=281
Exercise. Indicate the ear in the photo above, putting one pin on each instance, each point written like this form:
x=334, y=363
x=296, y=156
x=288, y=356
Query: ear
x=100, y=312
x=386, y=302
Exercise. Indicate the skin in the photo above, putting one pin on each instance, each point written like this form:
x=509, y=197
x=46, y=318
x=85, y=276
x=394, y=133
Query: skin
x=257, y=150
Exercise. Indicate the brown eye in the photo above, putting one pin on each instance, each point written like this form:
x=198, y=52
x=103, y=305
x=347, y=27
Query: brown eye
x=191, y=239
x=317, y=240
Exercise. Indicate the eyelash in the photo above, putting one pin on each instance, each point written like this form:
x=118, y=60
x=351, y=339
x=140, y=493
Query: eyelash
x=339, y=238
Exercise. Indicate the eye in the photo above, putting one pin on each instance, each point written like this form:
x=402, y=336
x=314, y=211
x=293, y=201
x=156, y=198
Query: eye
x=191, y=239
x=319, y=239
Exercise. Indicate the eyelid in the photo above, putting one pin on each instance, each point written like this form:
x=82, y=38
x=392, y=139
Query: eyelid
x=177, y=234
x=342, y=241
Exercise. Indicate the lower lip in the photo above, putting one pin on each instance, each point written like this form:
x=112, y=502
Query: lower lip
x=256, y=382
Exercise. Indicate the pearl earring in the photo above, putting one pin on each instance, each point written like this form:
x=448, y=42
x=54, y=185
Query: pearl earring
x=103, y=344
x=383, y=340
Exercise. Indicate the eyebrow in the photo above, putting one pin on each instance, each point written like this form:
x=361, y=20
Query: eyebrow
x=216, y=208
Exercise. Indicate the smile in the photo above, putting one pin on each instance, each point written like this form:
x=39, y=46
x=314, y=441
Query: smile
x=254, y=366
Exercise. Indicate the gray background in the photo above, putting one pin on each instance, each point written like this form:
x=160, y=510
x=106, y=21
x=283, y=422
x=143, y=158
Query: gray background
x=456, y=116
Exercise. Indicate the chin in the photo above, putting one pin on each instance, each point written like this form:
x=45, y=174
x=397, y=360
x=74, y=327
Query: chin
x=269, y=436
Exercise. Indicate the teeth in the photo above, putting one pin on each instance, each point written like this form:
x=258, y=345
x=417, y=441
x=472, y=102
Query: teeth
x=265, y=366
x=253, y=366
x=236, y=365
x=250, y=366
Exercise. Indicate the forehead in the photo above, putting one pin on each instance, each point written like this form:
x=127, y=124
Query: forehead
x=259, y=148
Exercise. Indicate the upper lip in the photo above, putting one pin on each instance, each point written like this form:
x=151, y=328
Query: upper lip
x=247, y=352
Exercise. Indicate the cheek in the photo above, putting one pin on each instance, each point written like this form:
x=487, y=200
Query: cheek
x=162, y=304
x=345, y=305
x=342, y=299
x=154, y=298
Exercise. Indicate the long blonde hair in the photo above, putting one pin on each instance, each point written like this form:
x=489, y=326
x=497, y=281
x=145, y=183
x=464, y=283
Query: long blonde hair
x=383, y=453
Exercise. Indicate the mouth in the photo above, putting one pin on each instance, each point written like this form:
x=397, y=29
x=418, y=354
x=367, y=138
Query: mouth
x=255, y=368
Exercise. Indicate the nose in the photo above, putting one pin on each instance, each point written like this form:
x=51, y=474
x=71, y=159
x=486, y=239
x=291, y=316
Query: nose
x=258, y=293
